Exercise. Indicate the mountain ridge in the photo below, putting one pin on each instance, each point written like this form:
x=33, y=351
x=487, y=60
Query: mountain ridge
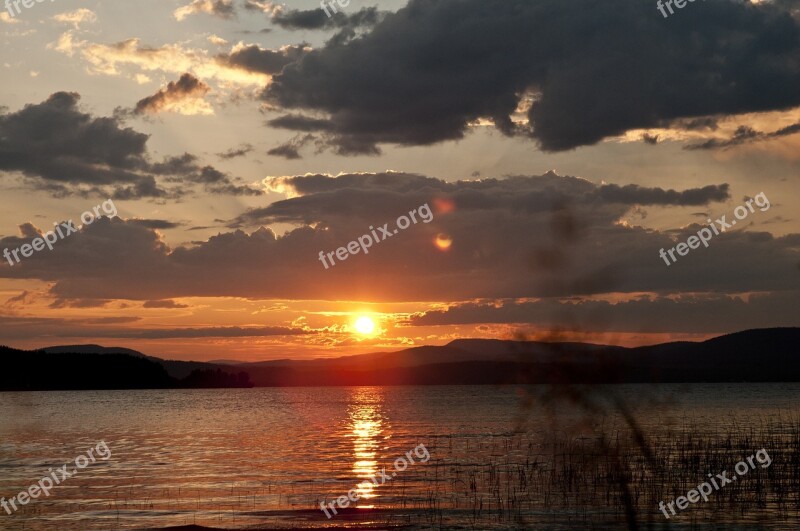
x=768, y=354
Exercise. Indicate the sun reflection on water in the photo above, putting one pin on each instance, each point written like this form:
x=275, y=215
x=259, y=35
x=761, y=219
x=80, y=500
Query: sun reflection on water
x=367, y=431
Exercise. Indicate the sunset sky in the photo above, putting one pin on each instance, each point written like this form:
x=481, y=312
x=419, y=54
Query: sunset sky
x=559, y=145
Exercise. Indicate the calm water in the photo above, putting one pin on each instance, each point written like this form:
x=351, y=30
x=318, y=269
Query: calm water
x=265, y=458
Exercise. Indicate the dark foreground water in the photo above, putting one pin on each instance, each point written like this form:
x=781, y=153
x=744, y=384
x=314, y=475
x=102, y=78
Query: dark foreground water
x=487, y=457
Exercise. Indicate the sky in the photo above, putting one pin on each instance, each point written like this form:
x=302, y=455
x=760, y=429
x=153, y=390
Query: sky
x=548, y=149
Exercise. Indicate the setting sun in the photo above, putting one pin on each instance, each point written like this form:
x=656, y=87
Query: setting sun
x=365, y=325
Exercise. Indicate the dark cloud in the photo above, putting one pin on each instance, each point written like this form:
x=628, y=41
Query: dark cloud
x=650, y=139
x=314, y=19
x=300, y=123
x=634, y=194
x=249, y=32
x=366, y=195
x=745, y=135
x=188, y=169
x=26, y=297
x=78, y=147
x=707, y=123
x=111, y=320
x=684, y=313
x=146, y=187
x=216, y=331
x=156, y=224
x=423, y=74
x=232, y=153
x=27, y=327
x=63, y=151
x=187, y=87
x=287, y=151
x=291, y=149
x=518, y=237
x=216, y=182
x=79, y=303
x=167, y=303
x=19, y=327
x=257, y=59
x=341, y=145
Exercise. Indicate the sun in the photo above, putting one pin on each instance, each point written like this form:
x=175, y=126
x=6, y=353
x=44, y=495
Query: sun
x=365, y=325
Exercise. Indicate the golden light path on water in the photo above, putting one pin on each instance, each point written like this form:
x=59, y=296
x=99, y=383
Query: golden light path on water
x=366, y=423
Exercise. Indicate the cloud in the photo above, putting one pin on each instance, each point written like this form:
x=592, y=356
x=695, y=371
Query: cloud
x=79, y=303
x=167, y=303
x=96, y=155
x=542, y=236
x=220, y=8
x=687, y=314
x=319, y=197
x=341, y=145
x=184, y=96
x=213, y=180
x=79, y=148
x=24, y=298
x=77, y=17
x=650, y=139
x=299, y=123
x=215, y=39
x=290, y=150
x=646, y=314
x=418, y=78
x=216, y=182
x=215, y=331
x=113, y=59
x=744, y=135
x=638, y=195
x=263, y=6
x=27, y=327
x=7, y=19
x=253, y=58
x=110, y=320
x=156, y=224
x=316, y=19
x=232, y=153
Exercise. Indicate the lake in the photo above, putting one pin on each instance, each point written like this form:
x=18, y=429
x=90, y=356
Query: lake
x=499, y=457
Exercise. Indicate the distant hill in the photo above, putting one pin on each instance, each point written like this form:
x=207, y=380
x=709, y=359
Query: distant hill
x=91, y=349
x=41, y=370
x=764, y=355
x=176, y=369
x=752, y=355
x=67, y=368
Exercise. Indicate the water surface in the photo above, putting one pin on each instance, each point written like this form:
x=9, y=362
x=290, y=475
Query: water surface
x=265, y=458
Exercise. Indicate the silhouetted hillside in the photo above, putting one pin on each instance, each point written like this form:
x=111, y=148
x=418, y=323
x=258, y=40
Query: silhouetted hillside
x=61, y=370
x=755, y=355
x=766, y=355
x=91, y=349
x=31, y=371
